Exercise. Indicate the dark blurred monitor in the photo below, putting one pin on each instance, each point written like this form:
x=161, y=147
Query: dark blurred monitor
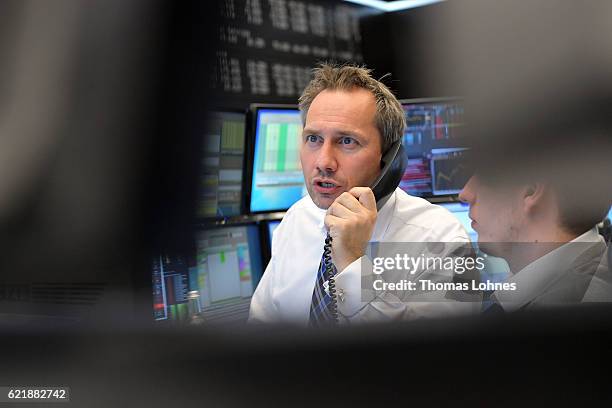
x=224, y=270
x=222, y=165
x=272, y=225
x=276, y=178
x=435, y=147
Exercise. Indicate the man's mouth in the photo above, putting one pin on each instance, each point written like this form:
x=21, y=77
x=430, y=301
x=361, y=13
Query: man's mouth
x=473, y=221
x=326, y=186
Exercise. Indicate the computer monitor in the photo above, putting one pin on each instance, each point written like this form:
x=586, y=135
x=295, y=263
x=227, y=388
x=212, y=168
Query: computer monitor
x=272, y=225
x=610, y=214
x=276, y=179
x=435, y=147
x=171, y=286
x=222, y=165
x=224, y=270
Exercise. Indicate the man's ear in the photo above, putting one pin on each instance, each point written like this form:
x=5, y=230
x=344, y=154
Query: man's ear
x=534, y=195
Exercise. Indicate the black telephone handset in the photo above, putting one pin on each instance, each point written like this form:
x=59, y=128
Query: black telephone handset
x=393, y=164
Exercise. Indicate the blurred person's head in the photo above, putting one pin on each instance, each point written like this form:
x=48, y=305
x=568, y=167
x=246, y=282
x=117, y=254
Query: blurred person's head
x=545, y=197
x=538, y=113
x=350, y=119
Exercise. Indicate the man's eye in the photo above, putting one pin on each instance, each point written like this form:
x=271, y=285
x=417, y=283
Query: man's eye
x=347, y=140
x=312, y=138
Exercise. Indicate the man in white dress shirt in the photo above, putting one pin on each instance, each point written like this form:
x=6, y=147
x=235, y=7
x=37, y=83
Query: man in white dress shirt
x=350, y=119
x=543, y=223
x=538, y=111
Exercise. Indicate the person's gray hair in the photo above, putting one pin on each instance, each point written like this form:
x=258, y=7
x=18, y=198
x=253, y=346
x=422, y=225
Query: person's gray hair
x=390, y=119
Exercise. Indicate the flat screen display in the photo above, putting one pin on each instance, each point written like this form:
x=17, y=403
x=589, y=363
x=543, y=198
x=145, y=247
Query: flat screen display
x=223, y=271
x=277, y=180
x=435, y=147
x=222, y=165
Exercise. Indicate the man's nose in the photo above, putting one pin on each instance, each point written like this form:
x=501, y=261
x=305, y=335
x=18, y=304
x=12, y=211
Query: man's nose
x=326, y=158
x=467, y=194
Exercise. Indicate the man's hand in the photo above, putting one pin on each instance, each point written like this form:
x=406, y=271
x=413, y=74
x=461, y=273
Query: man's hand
x=350, y=221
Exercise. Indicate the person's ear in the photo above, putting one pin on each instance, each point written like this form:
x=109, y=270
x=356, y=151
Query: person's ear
x=534, y=195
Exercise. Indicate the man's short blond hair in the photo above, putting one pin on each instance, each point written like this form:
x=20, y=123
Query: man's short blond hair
x=389, y=117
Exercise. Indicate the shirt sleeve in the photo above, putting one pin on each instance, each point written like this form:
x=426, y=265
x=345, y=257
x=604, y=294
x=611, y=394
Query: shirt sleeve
x=357, y=305
x=358, y=302
x=263, y=309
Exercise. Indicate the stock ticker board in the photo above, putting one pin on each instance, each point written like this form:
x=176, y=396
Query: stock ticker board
x=268, y=48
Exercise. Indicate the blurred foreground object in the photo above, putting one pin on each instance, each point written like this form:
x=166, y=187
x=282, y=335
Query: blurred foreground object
x=89, y=98
x=537, y=81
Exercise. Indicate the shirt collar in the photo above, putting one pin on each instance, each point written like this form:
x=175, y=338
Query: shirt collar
x=533, y=279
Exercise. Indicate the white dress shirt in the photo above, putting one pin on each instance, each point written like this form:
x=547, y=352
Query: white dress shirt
x=570, y=274
x=284, y=293
x=600, y=287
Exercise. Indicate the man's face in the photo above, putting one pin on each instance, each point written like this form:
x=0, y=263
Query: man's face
x=341, y=145
x=495, y=211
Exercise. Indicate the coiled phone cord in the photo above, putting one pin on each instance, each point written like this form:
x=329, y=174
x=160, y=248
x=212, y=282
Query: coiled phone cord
x=329, y=269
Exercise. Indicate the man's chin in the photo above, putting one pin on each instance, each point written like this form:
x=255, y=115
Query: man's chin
x=498, y=249
x=323, y=201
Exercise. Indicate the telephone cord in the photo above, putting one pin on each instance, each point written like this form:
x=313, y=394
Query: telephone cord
x=329, y=269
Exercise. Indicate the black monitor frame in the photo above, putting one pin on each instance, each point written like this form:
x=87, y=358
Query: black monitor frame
x=266, y=239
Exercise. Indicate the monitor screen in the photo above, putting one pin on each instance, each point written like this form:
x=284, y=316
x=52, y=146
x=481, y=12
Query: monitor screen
x=223, y=273
x=435, y=147
x=610, y=214
x=277, y=179
x=221, y=185
x=171, y=286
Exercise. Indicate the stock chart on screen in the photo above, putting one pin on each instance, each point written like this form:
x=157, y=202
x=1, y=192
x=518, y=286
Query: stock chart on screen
x=435, y=147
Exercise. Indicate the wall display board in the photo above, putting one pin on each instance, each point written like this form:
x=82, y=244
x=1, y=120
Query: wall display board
x=269, y=47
